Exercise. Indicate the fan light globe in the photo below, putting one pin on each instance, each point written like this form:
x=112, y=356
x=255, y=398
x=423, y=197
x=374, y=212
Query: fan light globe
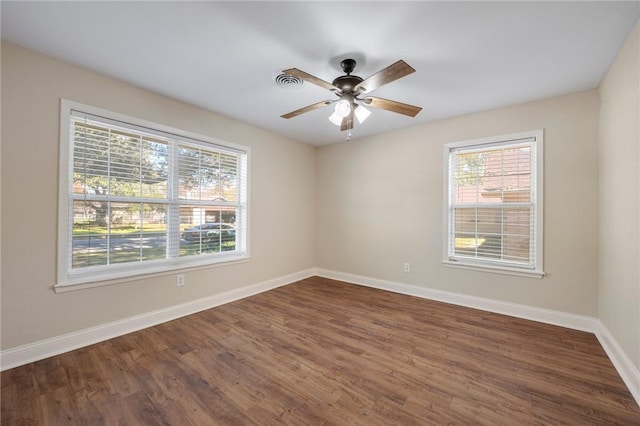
x=335, y=119
x=361, y=113
x=342, y=108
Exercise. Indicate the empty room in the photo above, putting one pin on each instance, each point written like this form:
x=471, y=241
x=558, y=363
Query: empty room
x=320, y=213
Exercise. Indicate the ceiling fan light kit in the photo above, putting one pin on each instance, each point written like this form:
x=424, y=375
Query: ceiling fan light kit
x=350, y=89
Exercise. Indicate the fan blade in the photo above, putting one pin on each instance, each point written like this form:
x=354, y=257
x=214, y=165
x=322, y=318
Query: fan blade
x=306, y=109
x=310, y=78
x=347, y=122
x=394, y=106
x=387, y=75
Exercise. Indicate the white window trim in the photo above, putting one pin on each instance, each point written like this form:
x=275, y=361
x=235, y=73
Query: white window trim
x=65, y=281
x=479, y=265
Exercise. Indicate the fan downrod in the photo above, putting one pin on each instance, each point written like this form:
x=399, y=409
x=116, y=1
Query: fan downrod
x=348, y=65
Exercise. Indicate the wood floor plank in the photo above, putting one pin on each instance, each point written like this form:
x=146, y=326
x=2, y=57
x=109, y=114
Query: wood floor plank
x=323, y=352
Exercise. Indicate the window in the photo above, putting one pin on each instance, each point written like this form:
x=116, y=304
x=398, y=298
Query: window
x=139, y=198
x=494, y=204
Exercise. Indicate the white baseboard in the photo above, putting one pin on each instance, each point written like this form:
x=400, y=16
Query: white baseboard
x=36, y=351
x=627, y=370
x=548, y=316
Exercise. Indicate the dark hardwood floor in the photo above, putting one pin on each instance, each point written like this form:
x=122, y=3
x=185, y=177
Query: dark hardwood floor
x=322, y=352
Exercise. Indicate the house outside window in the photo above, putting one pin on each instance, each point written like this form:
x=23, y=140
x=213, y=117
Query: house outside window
x=493, y=200
x=138, y=198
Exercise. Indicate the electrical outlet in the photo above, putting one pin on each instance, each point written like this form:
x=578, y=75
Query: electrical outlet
x=180, y=280
x=406, y=267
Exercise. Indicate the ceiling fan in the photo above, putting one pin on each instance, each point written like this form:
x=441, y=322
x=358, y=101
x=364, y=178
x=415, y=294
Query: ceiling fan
x=352, y=93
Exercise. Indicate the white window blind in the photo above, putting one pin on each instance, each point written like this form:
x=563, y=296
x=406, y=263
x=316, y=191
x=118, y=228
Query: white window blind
x=494, y=202
x=142, y=199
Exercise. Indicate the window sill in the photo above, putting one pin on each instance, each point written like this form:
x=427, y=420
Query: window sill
x=114, y=278
x=493, y=269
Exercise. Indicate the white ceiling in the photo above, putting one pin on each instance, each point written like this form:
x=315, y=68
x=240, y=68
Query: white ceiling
x=224, y=56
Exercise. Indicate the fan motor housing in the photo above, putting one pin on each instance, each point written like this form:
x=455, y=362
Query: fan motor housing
x=346, y=83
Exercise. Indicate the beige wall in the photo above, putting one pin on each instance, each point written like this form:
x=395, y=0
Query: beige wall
x=619, y=162
x=380, y=204
x=282, y=204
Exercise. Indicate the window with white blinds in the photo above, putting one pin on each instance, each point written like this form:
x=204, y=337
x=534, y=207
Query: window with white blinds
x=143, y=198
x=494, y=203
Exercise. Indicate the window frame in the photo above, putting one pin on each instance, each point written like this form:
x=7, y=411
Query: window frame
x=67, y=279
x=482, y=265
